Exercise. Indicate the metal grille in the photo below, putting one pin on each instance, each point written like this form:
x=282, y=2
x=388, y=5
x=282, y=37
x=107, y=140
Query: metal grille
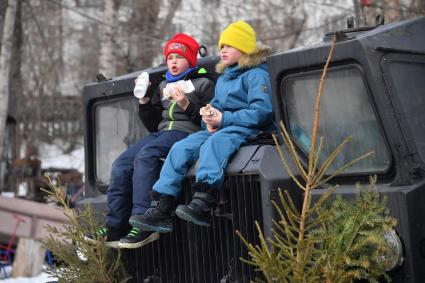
x=193, y=253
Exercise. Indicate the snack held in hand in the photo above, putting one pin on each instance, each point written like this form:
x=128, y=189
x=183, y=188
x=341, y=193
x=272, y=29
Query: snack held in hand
x=208, y=111
x=142, y=84
x=186, y=86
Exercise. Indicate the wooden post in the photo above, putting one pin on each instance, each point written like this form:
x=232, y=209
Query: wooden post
x=29, y=258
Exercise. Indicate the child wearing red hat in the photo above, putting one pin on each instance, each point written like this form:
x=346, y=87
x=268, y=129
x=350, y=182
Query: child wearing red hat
x=169, y=118
x=184, y=45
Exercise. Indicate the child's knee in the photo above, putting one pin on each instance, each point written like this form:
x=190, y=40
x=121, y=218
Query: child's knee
x=178, y=147
x=146, y=152
x=118, y=167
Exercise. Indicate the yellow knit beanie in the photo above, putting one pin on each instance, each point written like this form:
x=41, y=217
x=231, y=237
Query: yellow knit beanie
x=239, y=35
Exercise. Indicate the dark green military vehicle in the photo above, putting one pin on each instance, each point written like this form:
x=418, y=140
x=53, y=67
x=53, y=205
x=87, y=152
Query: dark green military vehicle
x=375, y=92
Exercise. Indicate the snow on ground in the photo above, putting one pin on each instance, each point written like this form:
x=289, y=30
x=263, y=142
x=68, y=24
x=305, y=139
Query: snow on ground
x=52, y=156
x=42, y=278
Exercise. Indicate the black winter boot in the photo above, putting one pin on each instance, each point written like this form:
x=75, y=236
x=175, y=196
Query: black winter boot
x=158, y=217
x=137, y=238
x=199, y=209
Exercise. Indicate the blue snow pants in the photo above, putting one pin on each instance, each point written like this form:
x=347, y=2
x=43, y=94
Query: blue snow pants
x=213, y=151
x=133, y=174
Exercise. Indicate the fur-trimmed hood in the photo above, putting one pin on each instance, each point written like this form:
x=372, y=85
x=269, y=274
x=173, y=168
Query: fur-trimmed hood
x=248, y=61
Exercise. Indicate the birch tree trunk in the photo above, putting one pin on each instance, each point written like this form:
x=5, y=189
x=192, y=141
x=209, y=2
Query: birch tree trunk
x=358, y=19
x=174, y=5
x=107, y=57
x=5, y=57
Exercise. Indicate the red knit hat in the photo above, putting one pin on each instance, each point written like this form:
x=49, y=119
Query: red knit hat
x=184, y=45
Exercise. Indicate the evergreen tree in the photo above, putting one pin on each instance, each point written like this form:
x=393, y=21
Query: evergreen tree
x=326, y=241
x=77, y=260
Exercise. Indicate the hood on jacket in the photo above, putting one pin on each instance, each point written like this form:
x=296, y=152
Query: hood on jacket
x=248, y=61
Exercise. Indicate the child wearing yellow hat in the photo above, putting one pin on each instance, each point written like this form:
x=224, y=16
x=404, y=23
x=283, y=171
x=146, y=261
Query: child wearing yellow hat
x=241, y=108
x=239, y=35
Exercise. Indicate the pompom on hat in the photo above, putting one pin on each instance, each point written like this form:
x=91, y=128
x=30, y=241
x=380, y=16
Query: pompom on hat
x=239, y=35
x=184, y=45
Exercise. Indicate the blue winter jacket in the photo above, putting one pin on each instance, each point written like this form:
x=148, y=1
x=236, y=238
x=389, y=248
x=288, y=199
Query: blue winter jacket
x=243, y=97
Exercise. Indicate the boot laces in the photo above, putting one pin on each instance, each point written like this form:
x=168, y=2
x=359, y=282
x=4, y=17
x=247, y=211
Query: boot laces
x=102, y=232
x=133, y=232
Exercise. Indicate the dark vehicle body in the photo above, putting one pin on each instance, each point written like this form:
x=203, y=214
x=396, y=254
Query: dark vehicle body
x=374, y=92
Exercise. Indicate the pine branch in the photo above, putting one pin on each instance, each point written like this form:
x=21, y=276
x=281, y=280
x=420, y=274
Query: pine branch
x=286, y=164
x=294, y=155
x=319, y=150
x=332, y=240
x=103, y=265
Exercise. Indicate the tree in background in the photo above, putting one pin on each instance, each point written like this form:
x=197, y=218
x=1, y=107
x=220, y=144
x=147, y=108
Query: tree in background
x=5, y=59
x=392, y=10
x=58, y=46
x=148, y=26
x=107, y=54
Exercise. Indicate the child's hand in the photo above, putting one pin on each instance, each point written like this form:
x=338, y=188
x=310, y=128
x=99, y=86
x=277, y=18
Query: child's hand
x=177, y=94
x=211, y=128
x=211, y=116
x=207, y=110
x=144, y=100
x=214, y=121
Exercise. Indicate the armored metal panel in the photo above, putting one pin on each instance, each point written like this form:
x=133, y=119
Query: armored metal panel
x=193, y=253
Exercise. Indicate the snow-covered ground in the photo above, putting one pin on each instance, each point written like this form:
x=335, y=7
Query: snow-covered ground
x=42, y=278
x=52, y=156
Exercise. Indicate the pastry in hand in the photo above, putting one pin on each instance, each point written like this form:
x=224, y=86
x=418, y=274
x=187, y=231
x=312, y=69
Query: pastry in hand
x=209, y=111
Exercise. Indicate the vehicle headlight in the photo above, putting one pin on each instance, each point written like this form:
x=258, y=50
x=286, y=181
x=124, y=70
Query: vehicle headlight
x=394, y=256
